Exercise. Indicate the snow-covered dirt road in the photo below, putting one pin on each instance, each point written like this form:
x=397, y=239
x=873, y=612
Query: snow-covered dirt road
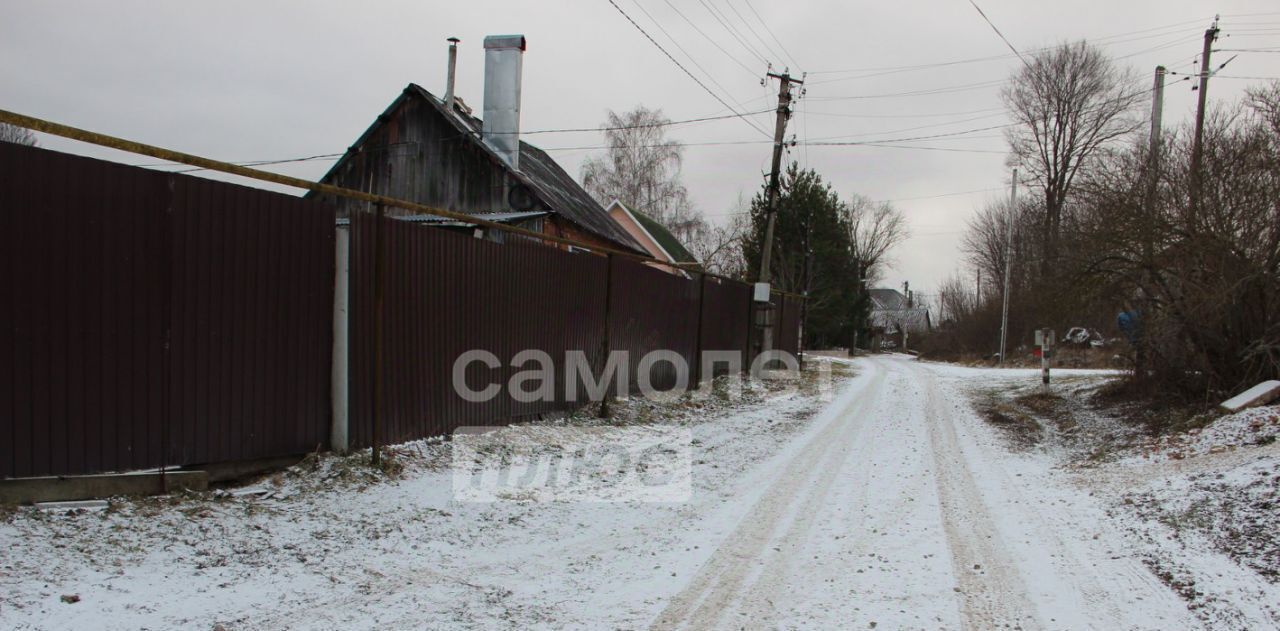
x=901, y=508
x=891, y=505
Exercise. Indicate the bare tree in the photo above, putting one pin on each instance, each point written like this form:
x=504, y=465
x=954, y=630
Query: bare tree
x=985, y=242
x=17, y=135
x=1066, y=104
x=874, y=229
x=719, y=248
x=641, y=167
x=1265, y=101
x=956, y=300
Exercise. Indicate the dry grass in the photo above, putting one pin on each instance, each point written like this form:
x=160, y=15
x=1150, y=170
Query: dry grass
x=1158, y=411
x=1021, y=428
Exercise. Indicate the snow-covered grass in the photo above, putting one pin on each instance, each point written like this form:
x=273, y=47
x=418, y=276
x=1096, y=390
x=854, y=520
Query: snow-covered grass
x=334, y=543
x=1247, y=428
x=1200, y=497
x=899, y=503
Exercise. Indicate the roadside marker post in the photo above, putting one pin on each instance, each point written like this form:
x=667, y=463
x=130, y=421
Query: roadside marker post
x=1044, y=344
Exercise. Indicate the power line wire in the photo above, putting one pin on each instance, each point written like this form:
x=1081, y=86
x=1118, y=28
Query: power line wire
x=686, y=70
x=670, y=123
x=786, y=52
x=938, y=115
x=537, y=131
x=812, y=143
x=905, y=129
x=732, y=33
x=922, y=92
x=952, y=194
x=1247, y=15
x=710, y=39
x=927, y=148
x=888, y=201
x=753, y=32
x=1169, y=44
x=884, y=70
x=686, y=53
x=997, y=30
x=913, y=138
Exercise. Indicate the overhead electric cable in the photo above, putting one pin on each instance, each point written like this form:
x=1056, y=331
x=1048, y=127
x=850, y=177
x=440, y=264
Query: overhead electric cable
x=732, y=33
x=753, y=32
x=997, y=30
x=710, y=39
x=686, y=70
x=765, y=24
x=686, y=53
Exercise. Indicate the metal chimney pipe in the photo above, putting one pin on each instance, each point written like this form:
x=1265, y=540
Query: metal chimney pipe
x=453, y=66
x=503, y=63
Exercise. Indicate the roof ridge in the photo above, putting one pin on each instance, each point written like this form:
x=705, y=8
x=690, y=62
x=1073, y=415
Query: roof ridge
x=553, y=186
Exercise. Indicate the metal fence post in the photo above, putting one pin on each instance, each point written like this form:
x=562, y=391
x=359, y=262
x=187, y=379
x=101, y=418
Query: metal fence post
x=379, y=272
x=606, y=342
x=697, y=346
x=166, y=345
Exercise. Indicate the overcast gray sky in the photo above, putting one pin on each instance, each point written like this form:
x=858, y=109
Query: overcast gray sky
x=270, y=80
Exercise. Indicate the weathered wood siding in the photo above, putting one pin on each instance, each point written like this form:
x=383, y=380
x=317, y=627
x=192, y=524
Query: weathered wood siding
x=414, y=153
x=419, y=156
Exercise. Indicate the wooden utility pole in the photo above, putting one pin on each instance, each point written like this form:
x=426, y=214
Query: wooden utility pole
x=1153, y=161
x=1149, y=207
x=1008, y=262
x=1197, y=145
x=779, y=132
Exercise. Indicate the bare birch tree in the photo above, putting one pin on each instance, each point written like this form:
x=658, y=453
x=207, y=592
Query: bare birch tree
x=641, y=167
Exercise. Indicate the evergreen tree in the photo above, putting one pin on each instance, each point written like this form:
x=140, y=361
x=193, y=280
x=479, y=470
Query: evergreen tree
x=811, y=246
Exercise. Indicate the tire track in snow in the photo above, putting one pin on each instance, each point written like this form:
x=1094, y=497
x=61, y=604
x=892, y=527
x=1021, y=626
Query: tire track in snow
x=1051, y=531
x=720, y=583
x=992, y=592
x=759, y=601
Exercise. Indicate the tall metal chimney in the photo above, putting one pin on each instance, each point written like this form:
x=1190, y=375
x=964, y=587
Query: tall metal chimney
x=503, y=61
x=453, y=66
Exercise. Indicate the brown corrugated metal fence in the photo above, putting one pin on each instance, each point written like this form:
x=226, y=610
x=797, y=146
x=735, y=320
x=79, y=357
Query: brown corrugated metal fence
x=106, y=263
x=652, y=310
x=252, y=299
x=447, y=293
x=155, y=319
x=788, y=338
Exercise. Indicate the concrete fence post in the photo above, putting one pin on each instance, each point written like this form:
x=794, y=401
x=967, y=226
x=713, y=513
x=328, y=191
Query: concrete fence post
x=339, y=434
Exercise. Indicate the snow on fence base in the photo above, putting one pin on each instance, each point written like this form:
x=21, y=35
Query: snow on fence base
x=1261, y=394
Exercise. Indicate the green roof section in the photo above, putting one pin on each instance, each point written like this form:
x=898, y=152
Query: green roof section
x=659, y=232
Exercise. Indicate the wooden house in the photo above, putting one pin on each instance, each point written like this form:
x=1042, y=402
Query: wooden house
x=654, y=237
x=433, y=151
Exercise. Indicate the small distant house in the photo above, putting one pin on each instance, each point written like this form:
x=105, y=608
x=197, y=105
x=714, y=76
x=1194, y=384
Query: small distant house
x=434, y=152
x=654, y=237
x=895, y=316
